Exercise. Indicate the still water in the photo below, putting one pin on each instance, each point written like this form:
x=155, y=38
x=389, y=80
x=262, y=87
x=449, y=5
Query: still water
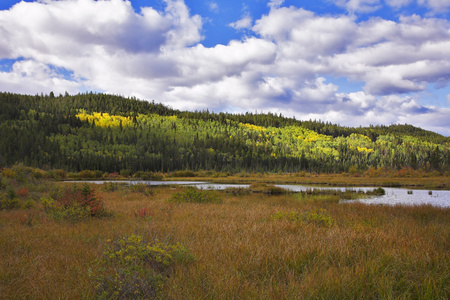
x=393, y=196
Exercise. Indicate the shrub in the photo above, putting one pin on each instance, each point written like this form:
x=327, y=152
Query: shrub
x=11, y=193
x=74, y=204
x=132, y=267
x=379, y=191
x=194, y=195
x=8, y=203
x=148, y=176
x=184, y=174
x=57, y=174
x=38, y=174
x=143, y=213
x=84, y=197
x=22, y=192
x=125, y=172
x=267, y=189
x=88, y=174
x=74, y=212
x=73, y=175
x=2, y=182
x=21, y=172
x=319, y=217
x=290, y=216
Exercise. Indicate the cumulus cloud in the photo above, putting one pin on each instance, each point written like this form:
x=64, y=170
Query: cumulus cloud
x=275, y=3
x=157, y=54
x=368, y=6
x=363, y=6
x=436, y=5
x=398, y=3
x=31, y=77
x=244, y=23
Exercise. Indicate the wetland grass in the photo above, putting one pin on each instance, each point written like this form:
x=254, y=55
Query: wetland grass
x=238, y=249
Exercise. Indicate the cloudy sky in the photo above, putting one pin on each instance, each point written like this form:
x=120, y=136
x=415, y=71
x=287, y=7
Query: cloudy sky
x=352, y=62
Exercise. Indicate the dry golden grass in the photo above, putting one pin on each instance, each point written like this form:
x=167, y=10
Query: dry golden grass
x=370, y=252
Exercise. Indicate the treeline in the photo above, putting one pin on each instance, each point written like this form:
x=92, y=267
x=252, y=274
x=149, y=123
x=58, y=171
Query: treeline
x=112, y=133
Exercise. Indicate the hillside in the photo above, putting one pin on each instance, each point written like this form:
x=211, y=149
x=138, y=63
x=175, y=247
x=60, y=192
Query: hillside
x=112, y=133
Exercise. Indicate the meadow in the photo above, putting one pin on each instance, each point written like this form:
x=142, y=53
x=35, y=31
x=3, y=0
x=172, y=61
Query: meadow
x=179, y=243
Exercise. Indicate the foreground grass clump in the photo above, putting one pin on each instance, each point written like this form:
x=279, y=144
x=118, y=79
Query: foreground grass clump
x=74, y=203
x=194, y=195
x=133, y=267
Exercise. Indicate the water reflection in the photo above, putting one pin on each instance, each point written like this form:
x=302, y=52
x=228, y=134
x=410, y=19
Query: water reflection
x=393, y=196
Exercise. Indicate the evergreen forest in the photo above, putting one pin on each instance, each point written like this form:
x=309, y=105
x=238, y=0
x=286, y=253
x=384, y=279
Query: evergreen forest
x=111, y=133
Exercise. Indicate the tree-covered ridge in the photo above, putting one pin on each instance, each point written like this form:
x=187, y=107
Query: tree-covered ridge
x=112, y=133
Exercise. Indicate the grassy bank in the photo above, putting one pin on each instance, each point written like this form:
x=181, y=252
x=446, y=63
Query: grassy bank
x=438, y=182
x=234, y=245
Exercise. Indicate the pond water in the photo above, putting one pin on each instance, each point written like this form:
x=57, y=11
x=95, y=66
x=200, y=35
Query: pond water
x=393, y=196
x=411, y=197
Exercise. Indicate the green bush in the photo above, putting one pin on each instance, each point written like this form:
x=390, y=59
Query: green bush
x=290, y=216
x=184, y=174
x=54, y=210
x=8, y=203
x=319, y=217
x=194, y=195
x=379, y=191
x=267, y=189
x=132, y=267
x=2, y=182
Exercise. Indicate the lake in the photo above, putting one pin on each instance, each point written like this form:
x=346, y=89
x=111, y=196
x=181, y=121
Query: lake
x=393, y=196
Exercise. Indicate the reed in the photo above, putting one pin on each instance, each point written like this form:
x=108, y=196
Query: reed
x=238, y=249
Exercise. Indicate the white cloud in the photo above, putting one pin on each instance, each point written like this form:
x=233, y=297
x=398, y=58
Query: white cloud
x=275, y=3
x=244, y=23
x=213, y=6
x=33, y=77
x=398, y=3
x=361, y=6
x=436, y=5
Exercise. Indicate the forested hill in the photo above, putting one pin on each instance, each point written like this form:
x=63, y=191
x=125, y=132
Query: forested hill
x=113, y=133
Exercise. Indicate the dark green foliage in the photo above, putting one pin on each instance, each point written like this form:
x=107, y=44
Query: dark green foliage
x=47, y=132
x=267, y=189
x=379, y=191
x=10, y=203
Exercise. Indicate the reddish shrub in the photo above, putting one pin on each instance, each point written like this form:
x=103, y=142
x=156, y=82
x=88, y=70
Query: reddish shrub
x=143, y=213
x=85, y=197
x=22, y=192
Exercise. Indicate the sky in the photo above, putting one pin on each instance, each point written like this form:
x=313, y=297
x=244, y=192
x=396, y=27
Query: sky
x=350, y=62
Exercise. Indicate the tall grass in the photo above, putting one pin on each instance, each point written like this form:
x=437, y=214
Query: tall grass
x=239, y=249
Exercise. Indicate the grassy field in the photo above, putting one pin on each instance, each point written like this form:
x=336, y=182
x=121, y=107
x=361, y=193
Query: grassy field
x=236, y=245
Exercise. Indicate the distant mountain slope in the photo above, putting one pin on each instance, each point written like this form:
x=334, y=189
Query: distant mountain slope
x=113, y=133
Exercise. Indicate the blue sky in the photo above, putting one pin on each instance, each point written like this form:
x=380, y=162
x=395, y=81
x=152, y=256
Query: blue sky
x=352, y=62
